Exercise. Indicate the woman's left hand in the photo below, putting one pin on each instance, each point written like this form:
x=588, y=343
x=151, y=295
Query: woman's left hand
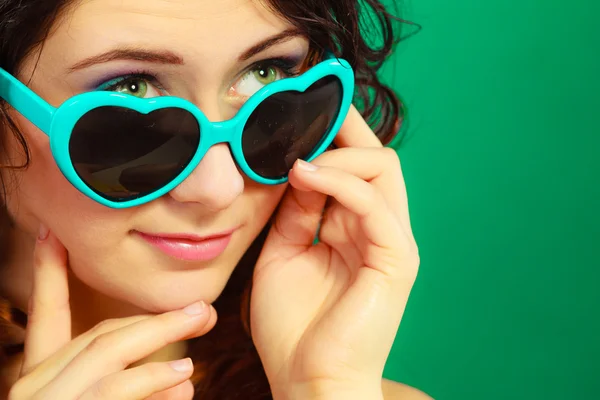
x=324, y=316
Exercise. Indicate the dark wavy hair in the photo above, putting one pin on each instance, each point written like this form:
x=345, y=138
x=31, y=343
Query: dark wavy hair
x=227, y=365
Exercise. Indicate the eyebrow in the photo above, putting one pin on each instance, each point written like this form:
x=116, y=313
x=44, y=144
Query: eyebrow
x=282, y=37
x=170, y=58
x=131, y=54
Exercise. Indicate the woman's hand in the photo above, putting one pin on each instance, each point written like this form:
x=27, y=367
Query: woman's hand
x=324, y=317
x=93, y=365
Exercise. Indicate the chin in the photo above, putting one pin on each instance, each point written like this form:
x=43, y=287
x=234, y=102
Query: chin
x=149, y=291
x=174, y=290
x=141, y=280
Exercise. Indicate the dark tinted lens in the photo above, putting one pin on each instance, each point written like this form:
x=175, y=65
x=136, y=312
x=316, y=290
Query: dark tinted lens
x=122, y=154
x=290, y=125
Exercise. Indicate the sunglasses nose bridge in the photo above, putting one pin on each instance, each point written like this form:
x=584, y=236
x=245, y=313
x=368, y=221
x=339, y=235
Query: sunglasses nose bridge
x=222, y=132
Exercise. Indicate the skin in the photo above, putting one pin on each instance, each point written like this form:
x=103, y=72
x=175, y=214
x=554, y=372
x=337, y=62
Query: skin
x=92, y=261
x=98, y=238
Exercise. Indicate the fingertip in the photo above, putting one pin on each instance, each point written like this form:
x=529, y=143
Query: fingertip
x=49, y=250
x=210, y=322
x=43, y=232
x=304, y=166
x=50, y=240
x=212, y=319
x=299, y=175
x=184, y=366
x=206, y=323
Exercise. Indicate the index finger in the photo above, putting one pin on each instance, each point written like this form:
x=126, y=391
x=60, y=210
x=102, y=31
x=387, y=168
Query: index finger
x=49, y=315
x=355, y=132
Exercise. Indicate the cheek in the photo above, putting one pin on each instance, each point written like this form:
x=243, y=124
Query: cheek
x=41, y=193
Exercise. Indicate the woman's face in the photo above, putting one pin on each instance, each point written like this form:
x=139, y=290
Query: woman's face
x=195, y=49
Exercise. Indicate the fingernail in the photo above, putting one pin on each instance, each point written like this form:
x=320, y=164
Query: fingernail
x=44, y=232
x=184, y=365
x=307, y=166
x=197, y=308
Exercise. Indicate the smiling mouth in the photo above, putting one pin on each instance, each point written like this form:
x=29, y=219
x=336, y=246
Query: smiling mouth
x=189, y=247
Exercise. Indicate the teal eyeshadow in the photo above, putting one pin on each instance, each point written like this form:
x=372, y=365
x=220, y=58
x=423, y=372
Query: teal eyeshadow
x=110, y=83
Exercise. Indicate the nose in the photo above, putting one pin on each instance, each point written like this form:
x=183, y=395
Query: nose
x=215, y=183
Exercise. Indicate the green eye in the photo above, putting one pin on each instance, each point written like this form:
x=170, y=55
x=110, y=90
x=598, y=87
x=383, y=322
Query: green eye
x=266, y=75
x=134, y=87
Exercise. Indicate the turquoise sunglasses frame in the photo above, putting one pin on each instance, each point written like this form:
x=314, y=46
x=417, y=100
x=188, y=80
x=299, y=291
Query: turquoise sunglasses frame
x=58, y=123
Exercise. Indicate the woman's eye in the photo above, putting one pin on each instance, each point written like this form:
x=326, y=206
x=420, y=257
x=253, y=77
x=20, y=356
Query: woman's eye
x=133, y=86
x=256, y=79
x=265, y=75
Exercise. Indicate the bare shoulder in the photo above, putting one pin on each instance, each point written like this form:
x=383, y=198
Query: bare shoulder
x=399, y=391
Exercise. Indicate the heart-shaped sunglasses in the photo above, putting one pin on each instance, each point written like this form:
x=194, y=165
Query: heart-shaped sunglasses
x=124, y=151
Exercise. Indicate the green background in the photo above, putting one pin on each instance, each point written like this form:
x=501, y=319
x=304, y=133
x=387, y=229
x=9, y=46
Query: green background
x=501, y=159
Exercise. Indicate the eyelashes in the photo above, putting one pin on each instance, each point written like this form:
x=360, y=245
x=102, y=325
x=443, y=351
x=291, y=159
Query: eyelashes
x=289, y=66
x=112, y=83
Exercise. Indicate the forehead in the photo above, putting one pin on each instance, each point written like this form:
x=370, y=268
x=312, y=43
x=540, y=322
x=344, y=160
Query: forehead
x=203, y=29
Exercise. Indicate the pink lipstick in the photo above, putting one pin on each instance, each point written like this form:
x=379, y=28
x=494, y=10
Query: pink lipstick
x=189, y=247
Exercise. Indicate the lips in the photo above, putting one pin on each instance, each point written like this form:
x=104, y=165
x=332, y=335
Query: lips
x=189, y=247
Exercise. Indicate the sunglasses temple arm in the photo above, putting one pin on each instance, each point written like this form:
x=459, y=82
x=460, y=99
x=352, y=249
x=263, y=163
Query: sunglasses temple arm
x=26, y=102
